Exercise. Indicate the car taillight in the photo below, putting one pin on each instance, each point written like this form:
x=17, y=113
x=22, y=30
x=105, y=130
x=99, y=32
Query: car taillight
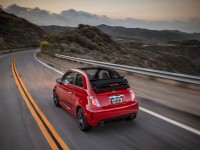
x=94, y=101
x=132, y=95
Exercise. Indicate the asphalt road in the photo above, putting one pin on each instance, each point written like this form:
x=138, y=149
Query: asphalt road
x=19, y=130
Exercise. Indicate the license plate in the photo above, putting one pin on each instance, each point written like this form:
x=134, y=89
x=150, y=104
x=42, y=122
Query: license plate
x=116, y=99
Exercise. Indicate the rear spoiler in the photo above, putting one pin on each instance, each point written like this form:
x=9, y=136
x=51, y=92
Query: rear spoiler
x=109, y=84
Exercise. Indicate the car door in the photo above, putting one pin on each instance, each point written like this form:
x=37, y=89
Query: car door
x=65, y=90
x=77, y=91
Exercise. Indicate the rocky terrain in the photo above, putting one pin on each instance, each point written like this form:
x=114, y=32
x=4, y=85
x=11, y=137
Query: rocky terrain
x=18, y=33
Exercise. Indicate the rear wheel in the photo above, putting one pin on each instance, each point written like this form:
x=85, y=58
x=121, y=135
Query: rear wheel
x=82, y=121
x=55, y=99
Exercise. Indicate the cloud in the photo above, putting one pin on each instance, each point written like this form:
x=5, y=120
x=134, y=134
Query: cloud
x=72, y=18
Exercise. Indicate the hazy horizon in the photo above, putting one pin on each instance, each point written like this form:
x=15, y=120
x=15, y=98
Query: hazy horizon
x=73, y=18
x=149, y=10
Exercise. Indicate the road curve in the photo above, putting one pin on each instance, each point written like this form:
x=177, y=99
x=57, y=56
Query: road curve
x=19, y=130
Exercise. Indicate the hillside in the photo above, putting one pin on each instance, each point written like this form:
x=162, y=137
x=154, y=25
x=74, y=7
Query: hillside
x=133, y=33
x=91, y=43
x=85, y=39
x=18, y=33
x=148, y=35
x=53, y=29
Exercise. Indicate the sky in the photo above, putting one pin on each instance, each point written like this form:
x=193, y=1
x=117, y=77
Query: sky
x=152, y=10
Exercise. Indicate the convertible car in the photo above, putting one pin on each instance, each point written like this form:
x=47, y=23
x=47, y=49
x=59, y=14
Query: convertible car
x=95, y=96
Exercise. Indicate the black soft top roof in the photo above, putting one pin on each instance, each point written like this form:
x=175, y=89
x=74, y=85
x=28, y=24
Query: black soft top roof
x=107, y=84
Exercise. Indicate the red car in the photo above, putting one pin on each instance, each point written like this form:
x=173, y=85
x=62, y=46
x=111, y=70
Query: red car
x=95, y=95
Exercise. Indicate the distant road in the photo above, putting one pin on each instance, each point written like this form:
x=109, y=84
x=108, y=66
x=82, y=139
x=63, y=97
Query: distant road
x=19, y=130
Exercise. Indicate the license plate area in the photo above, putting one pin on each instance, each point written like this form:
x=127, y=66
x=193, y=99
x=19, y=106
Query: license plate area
x=116, y=99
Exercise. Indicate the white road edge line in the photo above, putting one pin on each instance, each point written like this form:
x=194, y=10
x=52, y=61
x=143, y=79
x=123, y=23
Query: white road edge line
x=141, y=108
x=170, y=121
x=48, y=65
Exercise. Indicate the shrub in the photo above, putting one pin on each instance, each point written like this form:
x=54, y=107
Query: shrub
x=71, y=37
x=44, y=45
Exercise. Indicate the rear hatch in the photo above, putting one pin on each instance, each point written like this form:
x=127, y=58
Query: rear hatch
x=112, y=92
x=109, y=97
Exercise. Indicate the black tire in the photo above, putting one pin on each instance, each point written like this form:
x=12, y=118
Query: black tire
x=82, y=121
x=55, y=99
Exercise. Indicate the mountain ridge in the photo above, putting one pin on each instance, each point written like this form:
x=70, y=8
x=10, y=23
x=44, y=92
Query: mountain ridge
x=134, y=33
x=73, y=18
x=146, y=34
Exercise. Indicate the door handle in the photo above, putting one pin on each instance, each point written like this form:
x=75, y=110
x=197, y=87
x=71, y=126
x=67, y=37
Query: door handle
x=70, y=92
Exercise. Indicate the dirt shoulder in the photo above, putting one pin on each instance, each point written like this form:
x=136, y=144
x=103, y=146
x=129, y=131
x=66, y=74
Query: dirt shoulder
x=173, y=94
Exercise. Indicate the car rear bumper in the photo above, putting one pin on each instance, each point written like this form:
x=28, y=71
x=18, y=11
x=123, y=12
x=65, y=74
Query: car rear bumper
x=96, y=115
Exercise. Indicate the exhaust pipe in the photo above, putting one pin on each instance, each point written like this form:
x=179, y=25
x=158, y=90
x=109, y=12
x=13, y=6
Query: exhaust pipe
x=102, y=124
x=132, y=116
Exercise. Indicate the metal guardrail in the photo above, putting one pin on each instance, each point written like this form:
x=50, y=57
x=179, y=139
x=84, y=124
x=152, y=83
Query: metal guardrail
x=145, y=71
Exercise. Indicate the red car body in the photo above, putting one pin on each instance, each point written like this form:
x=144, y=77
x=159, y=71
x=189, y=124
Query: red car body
x=95, y=100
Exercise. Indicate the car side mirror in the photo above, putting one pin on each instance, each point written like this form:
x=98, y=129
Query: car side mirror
x=58, y=80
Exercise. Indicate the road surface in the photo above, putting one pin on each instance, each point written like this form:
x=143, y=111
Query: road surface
x=19, y=129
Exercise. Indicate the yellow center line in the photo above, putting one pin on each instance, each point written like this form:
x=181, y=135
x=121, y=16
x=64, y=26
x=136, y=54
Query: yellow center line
x=26, y=95
x=36, y=101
